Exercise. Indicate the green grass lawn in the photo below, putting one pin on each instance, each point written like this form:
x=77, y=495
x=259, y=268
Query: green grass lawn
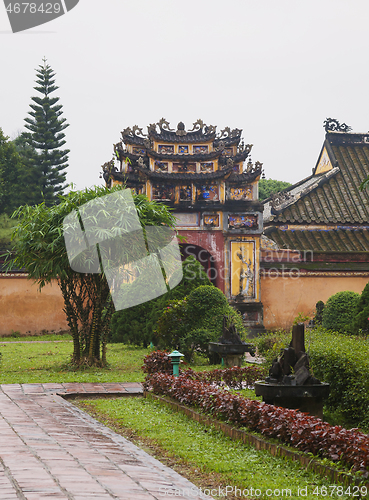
x=34, y=362
x=204, y=455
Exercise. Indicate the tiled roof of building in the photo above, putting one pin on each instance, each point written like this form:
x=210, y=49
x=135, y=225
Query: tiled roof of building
x=339, y=239
x=331, y=195
x=200, y=133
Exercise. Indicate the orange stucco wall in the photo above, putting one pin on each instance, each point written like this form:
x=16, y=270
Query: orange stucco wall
x=284, y=298
x=24, y=309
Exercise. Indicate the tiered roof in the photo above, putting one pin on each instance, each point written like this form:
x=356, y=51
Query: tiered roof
x=141, y=148
x=327, y=211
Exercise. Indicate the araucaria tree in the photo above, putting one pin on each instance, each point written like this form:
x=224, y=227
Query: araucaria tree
x=46, y=125
x=41, y=249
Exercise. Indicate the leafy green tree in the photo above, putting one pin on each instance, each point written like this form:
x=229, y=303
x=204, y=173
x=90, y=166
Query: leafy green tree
x=270, y=186
x=30, y=178
x=10, y=176
x=40, y=249
x=46, y=136
x=137, y=325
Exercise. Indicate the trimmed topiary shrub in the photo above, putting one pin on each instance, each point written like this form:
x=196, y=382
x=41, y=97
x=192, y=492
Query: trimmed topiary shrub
x=190, y=324
x=360, y=323
x=339, y=311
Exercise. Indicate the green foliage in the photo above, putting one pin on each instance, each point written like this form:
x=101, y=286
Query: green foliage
x=40, y=249
x=343, y=362
x=6, y=228
x=319, y=308
x=35, y=362
x=301, y=318
x=360, y=323
x=214, y=459
x=339, y=310
x=269, y=345
x=190, y=324
x=12, y=187
x=136, y=325
x=270, y=186
x=46, y=137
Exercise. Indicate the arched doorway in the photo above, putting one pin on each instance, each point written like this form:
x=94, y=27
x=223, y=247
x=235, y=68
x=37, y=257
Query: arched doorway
x=203, y=256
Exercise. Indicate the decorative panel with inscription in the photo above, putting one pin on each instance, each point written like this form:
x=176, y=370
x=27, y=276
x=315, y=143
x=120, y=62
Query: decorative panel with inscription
x=206, y=167
x=187, y=219
x=185, y=193
x=163, y=192
x=227, y=152
x=208, y=192
x=138, y=151
x=240, y=193
x=184, y=167
x=243, y=269
x=165, y=149
x=200, y=149
x=243, y=221
x=161, y=167
x=211, y=220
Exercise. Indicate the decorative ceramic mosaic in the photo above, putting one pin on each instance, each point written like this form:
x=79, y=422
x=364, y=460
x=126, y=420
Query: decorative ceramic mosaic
x=185, y=193
x=168, y=150
x=236, y=168
x=206, y=167
x=208, y=192
x=184, y=167
x=163, y=192
x=138, y=151
x=200, y=149
x=211, y=220
x=183, y=150
x=243, y=221
x=227, y=152
x=242, y=193
x=161, y=167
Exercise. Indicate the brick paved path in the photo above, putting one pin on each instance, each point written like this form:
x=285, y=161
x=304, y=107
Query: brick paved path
x=49, y=449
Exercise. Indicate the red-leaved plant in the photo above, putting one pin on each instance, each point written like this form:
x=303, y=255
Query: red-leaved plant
x=305, y=432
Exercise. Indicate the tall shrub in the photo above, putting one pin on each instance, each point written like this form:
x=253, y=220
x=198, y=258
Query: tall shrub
x=192, y=323
x=339, y=311
x=360, y=323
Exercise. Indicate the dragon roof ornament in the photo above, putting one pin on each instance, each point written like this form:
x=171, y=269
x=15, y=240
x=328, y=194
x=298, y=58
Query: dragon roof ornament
x=333, y=125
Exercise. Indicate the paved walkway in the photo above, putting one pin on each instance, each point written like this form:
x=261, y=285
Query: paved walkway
x=49, y=449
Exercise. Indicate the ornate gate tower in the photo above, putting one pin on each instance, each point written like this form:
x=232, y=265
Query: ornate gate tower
x=202, y=175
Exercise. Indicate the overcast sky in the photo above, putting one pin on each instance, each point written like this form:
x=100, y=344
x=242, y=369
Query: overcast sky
x=275, y=69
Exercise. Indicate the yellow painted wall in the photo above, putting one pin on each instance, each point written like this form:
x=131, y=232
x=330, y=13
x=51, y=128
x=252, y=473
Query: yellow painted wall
x=23, y=308
x=284, y=298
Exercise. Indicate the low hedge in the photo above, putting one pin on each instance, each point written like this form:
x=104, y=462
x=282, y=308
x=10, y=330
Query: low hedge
x=343, y=362
x=306, y=433
x=235, y=377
